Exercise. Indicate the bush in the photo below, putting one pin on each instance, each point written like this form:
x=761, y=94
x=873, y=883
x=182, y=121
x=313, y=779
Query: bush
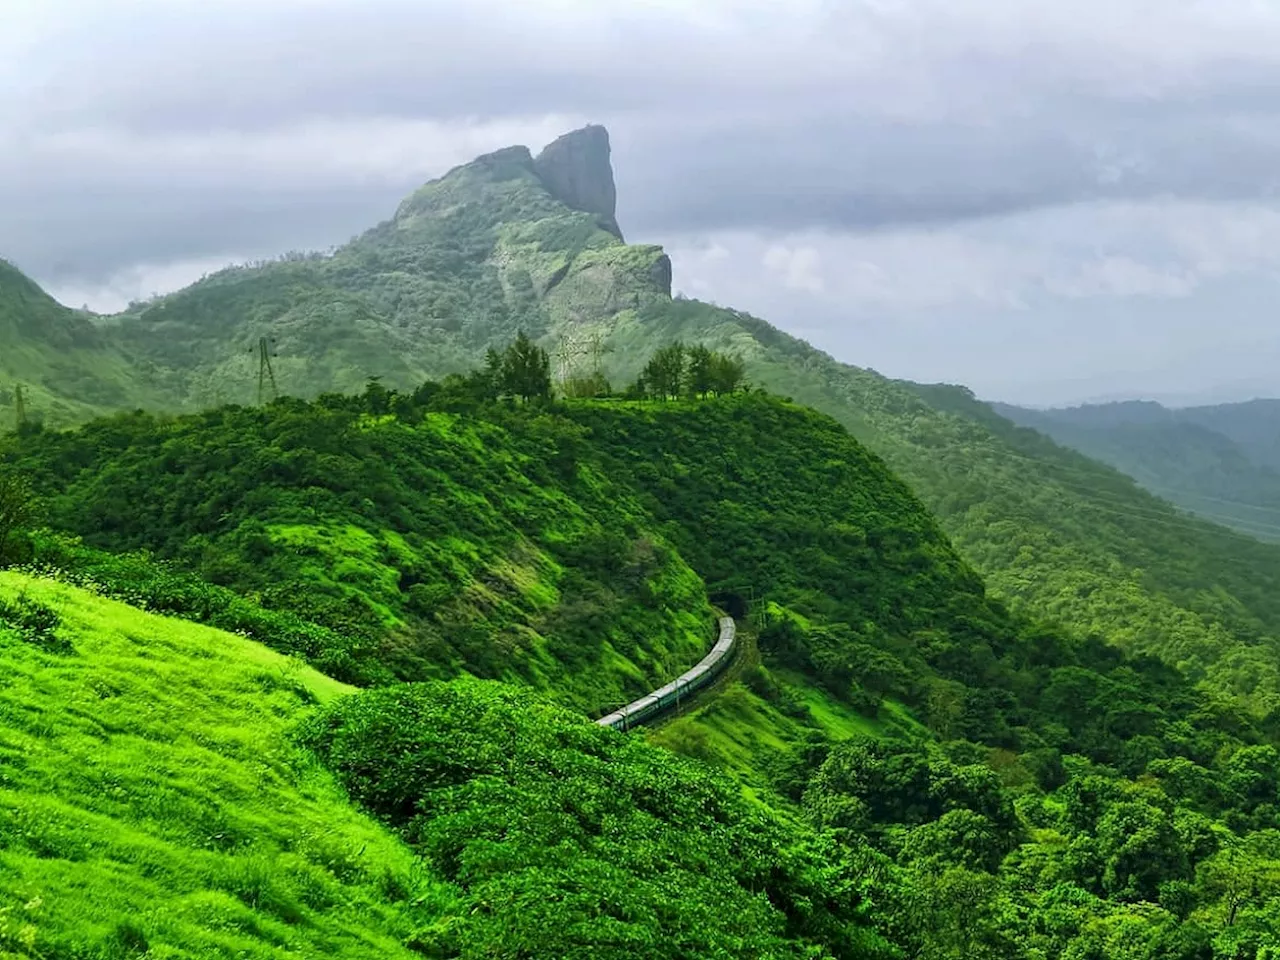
x=34, y=623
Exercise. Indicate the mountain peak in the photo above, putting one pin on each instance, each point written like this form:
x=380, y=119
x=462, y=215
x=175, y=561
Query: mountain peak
x=575, y=169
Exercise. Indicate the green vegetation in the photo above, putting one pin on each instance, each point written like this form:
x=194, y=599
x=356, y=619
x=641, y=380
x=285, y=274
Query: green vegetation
x=1037, y=723
x=1180, y=454
x=67, y=369
x=1056, y=536
x=677, y=371
x=930, y=775
x=151, y=803
x=18, y=508
x=420, y=542
x=570, y=840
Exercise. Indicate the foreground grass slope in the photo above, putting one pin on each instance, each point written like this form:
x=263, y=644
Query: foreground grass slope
x=154, y=801
x=152, y=804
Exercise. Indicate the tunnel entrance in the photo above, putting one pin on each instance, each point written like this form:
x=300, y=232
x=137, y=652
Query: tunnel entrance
x=731, y=603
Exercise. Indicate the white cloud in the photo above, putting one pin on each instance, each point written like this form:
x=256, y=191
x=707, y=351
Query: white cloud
x=140, y=282
x=799, y=268
x=1048, y=306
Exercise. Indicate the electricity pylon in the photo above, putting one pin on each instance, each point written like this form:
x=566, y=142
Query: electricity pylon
x=571, y=354
x=265, y=373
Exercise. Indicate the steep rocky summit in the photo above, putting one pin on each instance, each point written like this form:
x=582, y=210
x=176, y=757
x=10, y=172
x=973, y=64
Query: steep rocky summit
x=575, y=169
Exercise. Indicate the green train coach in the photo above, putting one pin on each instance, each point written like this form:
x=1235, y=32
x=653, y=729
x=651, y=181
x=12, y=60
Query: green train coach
x=668, y=697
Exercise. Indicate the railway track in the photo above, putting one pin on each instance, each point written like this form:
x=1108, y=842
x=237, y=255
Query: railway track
x=669, y=697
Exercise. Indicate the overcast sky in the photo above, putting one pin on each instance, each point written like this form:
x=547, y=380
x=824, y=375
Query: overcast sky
x=1047, y=201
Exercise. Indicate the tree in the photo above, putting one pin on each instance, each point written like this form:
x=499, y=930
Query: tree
x=727, y=373
x=525, y=369
x=18, y=507
x=699, y=375
x=663, y=376
x=377, y=398
x=676, y=370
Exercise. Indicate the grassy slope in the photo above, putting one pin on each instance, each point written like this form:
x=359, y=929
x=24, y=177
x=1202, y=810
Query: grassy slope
x=147, y=776
x=70, y=369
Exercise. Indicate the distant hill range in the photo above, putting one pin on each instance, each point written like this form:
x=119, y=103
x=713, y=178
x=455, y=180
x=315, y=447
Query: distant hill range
x=1222, y=462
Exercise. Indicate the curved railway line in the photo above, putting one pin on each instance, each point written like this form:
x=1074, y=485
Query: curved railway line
x=669, y=696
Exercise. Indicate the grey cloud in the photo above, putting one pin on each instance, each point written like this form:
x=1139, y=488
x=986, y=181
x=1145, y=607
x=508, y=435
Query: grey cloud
x=919, y=110
x=88, y=240
x=854, y=116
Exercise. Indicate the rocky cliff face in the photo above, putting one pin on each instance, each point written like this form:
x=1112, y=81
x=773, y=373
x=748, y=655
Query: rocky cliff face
x=576, y=170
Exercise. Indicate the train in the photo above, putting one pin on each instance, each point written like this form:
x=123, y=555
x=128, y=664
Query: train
x=668, y=697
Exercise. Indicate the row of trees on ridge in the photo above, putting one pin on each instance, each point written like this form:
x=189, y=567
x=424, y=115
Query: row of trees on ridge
x=523, y=369
x=694, y=371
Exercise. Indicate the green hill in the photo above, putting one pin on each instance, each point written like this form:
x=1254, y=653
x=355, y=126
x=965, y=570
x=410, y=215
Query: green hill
x=926, y=773
x=1056, y=535
x=151, y=803
x=464, y=262
x=1218, y=462
x=430, y=543
x=154, y=801
x=571, y=548
x=1252, y=425
x=70, y=370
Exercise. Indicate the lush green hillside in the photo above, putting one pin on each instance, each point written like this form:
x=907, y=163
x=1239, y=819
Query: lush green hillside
x=151, y=803
x=430, y=541
x=1176, y=455
x=69, y=369
x=570, y=548
x=1027, y=794
x=1056, y=535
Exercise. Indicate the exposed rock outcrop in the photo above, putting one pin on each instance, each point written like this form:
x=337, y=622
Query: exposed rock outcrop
x=660, y=274
x=575, y=169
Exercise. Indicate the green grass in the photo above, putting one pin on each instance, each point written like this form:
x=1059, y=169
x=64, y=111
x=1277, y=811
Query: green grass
x=743, y=733
x=152, y=804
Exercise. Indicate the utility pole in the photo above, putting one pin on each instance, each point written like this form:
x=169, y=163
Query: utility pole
x=265, y=373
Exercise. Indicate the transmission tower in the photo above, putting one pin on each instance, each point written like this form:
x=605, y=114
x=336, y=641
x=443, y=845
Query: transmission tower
x=265, y=352
x=576, y=352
